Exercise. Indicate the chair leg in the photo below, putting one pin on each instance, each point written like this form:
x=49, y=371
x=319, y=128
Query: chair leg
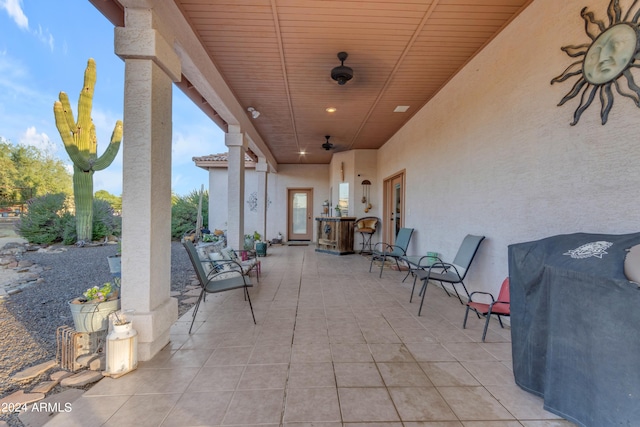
x=465, y=290
x=445, y=289
x=384, y=259
x=248, y=298
x=413, y=288
x=424, y=292
x=373, y=256
x=409, y=272
x=457, y=294
x=486, y=325
x=195, y=310
x=466, y=314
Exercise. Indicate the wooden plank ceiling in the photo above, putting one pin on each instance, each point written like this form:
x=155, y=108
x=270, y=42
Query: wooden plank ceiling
x=277, y=55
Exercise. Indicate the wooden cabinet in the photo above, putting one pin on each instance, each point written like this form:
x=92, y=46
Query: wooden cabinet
x=335, y=235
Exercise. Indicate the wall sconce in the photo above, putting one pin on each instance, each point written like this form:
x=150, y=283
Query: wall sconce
x=254, y=113
x=366, y=194
x=342, y=171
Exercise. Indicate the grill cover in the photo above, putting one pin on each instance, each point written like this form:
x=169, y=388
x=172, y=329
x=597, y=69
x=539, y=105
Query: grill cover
x=575, y=326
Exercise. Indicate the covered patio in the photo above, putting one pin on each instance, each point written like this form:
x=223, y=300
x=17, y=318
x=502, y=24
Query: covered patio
x=334, y=345
x=484, y=149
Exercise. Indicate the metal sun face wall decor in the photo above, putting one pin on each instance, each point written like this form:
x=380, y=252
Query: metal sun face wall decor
x=602, y=64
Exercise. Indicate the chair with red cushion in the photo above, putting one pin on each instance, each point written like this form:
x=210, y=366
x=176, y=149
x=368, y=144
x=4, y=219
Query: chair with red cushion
x=500, y=307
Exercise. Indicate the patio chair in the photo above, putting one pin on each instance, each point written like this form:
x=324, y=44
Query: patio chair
x=225, y=276
x=382, y=251
x=453, y=273
x=500, y=307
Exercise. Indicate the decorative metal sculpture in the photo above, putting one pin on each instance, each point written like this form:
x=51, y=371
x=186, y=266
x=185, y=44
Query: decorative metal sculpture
x=612, y=54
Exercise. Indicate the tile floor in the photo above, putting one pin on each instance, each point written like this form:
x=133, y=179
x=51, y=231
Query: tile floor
x=334, y=346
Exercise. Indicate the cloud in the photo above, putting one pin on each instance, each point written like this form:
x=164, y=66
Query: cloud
x=15, y=12
x=14, y=9
x=199, y=141
x=39, y=140
x=45, y=37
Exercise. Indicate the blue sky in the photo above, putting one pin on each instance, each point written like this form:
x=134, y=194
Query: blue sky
x=44, y=48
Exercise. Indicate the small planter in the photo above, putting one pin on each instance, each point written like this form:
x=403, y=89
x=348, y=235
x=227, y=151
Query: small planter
x=114, y=264
x=92, y=316
x=261, y=248
x=248, y=243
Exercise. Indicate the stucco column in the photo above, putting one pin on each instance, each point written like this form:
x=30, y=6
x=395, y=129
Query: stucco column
x=237, y=145
x=262, y=169
x=150, y=67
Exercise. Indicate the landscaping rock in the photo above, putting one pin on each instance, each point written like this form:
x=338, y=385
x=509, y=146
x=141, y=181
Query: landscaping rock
x=44, y=387
x=81, y=379
x=34, y=371
x=59, y=375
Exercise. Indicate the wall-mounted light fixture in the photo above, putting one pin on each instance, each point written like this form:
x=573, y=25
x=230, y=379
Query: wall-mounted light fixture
x=254, y=113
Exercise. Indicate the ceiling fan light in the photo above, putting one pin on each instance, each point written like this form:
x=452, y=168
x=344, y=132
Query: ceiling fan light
x=342, y=74
x=327, y=145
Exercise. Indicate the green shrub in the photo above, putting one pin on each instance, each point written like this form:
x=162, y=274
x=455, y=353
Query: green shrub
x=42, y=223
x=48, y=220
x=103, y=219
x=69, y=234
x=184, y=213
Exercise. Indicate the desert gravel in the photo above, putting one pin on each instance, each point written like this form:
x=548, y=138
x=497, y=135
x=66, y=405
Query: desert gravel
x=29, y=319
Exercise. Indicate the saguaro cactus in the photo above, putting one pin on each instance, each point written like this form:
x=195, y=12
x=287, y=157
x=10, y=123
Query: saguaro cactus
x=81, y=143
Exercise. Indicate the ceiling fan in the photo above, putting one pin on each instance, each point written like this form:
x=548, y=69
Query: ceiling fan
x=327, y=145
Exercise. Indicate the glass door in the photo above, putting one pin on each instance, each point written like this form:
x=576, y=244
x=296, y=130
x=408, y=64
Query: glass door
x=393, y=214
x=300, y=221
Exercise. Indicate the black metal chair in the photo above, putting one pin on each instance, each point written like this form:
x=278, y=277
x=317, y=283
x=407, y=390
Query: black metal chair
x=395, y=251
x=225, y=276
x=367, y=227
x=453, y=273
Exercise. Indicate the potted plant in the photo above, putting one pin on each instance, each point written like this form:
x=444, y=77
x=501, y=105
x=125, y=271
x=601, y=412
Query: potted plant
x=248, y=241
x=90, y=312
x=337, y=208
x=261, y=247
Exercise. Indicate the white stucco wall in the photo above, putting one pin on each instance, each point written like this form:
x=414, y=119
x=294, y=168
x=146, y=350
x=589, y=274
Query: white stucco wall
x=493, y=154
x=288, y=176
x=294, y=176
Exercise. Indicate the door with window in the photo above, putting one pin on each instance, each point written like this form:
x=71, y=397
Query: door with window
x=393, y=201
x=300, y=214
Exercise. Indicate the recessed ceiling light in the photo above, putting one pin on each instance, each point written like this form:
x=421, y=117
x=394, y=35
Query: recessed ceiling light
x=331, y=110
x=302, y=152
x=401, y=109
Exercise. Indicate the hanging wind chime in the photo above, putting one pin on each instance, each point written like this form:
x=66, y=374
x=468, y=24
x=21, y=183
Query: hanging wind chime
x=366, y=185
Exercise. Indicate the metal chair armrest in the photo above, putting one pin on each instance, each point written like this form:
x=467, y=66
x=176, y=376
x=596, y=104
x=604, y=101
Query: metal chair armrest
x=382, y=244
x=218, y=267
x=481, y=293
x=393, y=248
x=427, y=265
x=443, y=265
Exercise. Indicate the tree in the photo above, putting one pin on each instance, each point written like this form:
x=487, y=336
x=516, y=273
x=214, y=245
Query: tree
x=81, y=143
x=26, y=172
x=113, y=200
x=184, y=213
